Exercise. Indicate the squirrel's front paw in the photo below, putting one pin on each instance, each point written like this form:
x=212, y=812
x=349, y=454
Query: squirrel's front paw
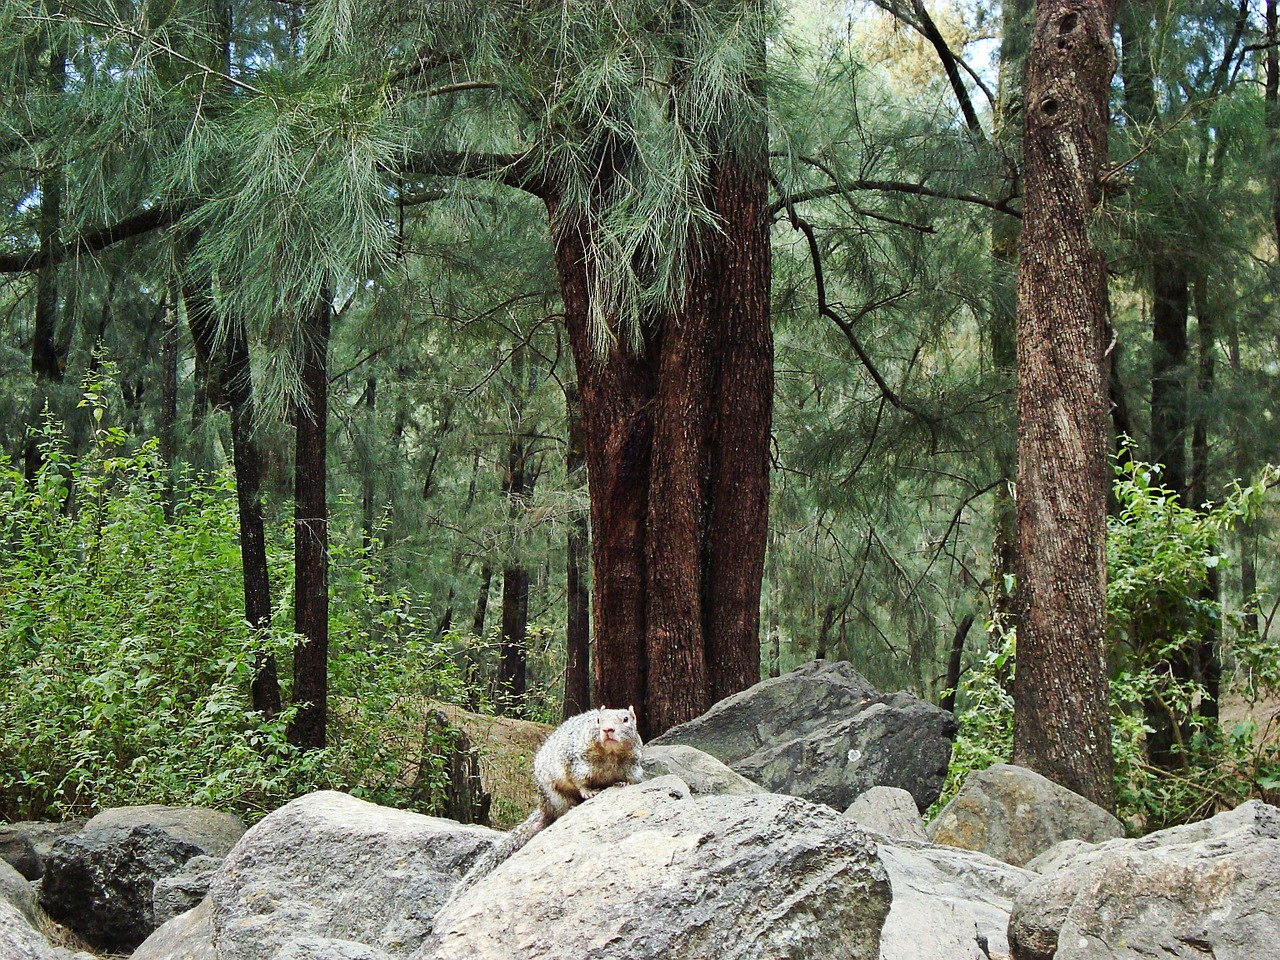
x=588, y=792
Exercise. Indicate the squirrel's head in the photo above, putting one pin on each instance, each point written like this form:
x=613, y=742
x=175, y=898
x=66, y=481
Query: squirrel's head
x=617, y=728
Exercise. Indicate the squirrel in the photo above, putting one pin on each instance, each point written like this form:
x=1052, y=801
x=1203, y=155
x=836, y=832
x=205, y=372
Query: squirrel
x=583, y=756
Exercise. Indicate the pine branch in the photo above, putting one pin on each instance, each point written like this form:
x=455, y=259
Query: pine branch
x=93, y=241
x=513, y=170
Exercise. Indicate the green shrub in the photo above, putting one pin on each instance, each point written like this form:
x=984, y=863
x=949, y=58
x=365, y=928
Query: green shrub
x=1158, y=557
x=127, y=659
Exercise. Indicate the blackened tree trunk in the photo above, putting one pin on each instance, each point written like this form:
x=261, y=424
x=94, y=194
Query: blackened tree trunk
x=1170, y=414
x=577, y=677
x=228, y=382
x=49, y=346
x=311, y=536
x=1206, y=662
x=1061, y=725
x=169, y=399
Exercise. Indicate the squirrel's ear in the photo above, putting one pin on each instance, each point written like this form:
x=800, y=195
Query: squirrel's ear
x=632, y=710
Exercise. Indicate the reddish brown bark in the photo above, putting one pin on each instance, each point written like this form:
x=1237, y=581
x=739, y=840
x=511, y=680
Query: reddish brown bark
x=676, y=440
x=1061, y=724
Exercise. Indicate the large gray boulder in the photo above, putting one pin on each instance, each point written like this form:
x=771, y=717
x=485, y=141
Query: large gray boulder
x=652, y=870
x=17, y=892
x=948, y=904
x=188, y=936
x=328, y=948
x=888, y=811
x=100, y=881
x=1015, y=814
x=701, y=772
x=1206, y=889
x=822, y=732
x=19, y=940
x=328, y=865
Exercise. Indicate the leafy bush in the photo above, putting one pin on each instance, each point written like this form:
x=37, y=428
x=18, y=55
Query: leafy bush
x=127, y=658
x=1159, y=554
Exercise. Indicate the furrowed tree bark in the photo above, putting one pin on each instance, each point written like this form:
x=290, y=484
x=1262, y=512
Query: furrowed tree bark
x=742, y=407
x=1061, y=725
x=311, y=536
x=577, y=678
x=1014, y=38
x=676, y=442
x=617, y=424
x=228, y=382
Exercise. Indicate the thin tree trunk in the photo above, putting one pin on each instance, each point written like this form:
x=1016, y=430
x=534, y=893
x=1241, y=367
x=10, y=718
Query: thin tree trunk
x=1061, y=723
x=512, y=649
x=49, y=347
x=955, y=661
x=228, y=381
x=1207, y=663
x=311, y=536
x=577, y=677
x=1169, y=409
x=169, y=400
x=482, y=600
x=1271, y=98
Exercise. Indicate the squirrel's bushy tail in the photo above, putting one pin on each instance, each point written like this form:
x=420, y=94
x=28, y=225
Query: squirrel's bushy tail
x=492, y=858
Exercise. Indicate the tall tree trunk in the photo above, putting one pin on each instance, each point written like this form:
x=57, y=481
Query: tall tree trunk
x=229, y=384
x=1061, y=724
x=1014, y=38
x=1206, y=661
x=311, y=536
x=1170, y=412
x=169, y=400
x=577, y=675
x=677, y=452
x=512, y=650
x=1271, y=98
x=49, y=345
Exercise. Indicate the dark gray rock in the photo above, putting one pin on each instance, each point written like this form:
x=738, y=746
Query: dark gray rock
x=653, y=871
x=25, y=844
x=100, y=881
x=888, y=811
x=184, y=890
x=702, y=772
x=1206, y=889
x=328, y=865
x=18, y=852
x=822, y=732
x=1014, y=815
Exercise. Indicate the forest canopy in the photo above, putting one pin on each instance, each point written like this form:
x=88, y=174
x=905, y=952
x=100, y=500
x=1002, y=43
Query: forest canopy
x=531, y=356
